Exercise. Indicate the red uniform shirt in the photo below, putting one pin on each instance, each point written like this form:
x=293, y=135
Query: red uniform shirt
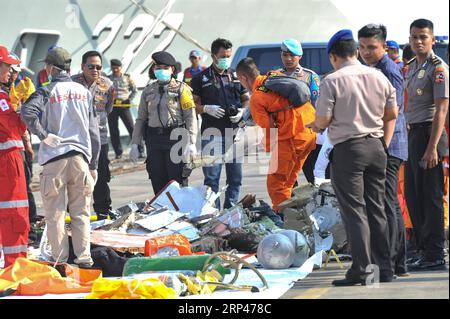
x=11, y=126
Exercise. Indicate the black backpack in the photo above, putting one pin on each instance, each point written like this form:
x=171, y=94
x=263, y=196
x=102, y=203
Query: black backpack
x=293, y=89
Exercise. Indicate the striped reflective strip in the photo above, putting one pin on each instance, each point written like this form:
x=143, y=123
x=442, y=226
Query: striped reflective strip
x=14, y=204
x=10, y=144
x=14, y=249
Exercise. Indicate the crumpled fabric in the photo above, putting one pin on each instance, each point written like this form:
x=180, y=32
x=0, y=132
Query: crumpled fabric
x=29, y=278
x=196, y=285
x=150, y=288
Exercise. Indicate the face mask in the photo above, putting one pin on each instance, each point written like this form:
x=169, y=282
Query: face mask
x=163, y=75
x=49, y=75
x=223, y=63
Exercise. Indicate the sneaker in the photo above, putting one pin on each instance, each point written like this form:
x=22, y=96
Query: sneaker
x=413, y=260
x=424, y=264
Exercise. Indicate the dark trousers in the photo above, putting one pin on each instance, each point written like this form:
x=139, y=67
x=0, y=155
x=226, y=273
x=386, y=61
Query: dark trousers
x=358, y=176
x=27, y=163
x=160, y=167
x=396, y=225
x=102, y=194
x=310, y=163
x=113, y=122
x=424, y=190
x=308, y=166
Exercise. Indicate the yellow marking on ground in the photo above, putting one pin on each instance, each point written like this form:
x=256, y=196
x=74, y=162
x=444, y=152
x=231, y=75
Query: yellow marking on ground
x=312, y=293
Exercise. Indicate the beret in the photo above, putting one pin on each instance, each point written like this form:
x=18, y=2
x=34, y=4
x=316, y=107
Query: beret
x=163, y=57
x=293, y=46
x=344, y=34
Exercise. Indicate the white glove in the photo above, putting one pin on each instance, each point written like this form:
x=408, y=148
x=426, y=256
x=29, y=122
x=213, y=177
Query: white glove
x=190, y=151
x=319, y=181
x=94, y=175
x=53, y=140
x=237, y=117
x=134, y=153
x=214, y=110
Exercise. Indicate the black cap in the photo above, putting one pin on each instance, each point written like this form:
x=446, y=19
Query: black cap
x=163, y=57
x=58, y=57
x=115, y=62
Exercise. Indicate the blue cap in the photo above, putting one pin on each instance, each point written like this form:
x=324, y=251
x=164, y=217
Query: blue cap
x=293, y=46
x=344, y=34
x=391, y=44
x=195, y=53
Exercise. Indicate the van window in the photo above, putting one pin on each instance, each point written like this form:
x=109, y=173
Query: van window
x=317, y=60
x=266, y=59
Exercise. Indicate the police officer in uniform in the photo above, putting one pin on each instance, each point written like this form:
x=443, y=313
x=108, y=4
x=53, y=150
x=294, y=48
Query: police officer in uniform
x=360, y=123
x=427, y=83
x=103, y=92
x=291, y=54
x=125, y=93
x=166, y=117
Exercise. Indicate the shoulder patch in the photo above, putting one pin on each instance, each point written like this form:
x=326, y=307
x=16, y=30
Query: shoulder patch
x=186, y=100
x=262, y=88
x=439, y=77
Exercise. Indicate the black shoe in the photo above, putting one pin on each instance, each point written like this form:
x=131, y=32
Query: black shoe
x=402, y=274
x=85, y=265
x=387, y=278
x=424, y=264
x=413, y=260
x=347, y=282
x=118, y=156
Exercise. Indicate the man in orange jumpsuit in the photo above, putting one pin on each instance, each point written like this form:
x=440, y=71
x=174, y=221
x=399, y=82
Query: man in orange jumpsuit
x=294, y=141
x=14, y=224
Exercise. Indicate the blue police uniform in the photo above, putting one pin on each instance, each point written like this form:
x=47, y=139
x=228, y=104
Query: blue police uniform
x=224, y=90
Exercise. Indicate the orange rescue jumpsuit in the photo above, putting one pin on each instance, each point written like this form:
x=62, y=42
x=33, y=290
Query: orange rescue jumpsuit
x=14, y=224
x=293, y=142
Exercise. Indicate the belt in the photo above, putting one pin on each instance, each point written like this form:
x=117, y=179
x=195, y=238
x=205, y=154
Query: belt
x=356, y=138
x=161, y=130
x=420, y=125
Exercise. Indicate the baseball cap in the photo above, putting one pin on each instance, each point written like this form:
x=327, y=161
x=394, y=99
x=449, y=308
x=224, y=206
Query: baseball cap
x=293, y=46
x=58, y=57
x=391, y=44
x=15, y=67
x=195, y=53
x=7, y=57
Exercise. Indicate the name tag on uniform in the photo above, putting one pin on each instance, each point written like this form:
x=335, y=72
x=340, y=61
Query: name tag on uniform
x=4, y=105
x=421, y=74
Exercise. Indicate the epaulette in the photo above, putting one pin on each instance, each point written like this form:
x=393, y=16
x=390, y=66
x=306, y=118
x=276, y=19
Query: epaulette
x=411, y=61
x=309, y=71
x=435, y=60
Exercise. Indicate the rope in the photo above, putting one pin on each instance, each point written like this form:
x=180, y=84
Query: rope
x=228, y=259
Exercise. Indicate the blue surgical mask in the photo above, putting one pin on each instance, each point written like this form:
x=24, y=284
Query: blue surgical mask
x=163, y=75
x=223, y=63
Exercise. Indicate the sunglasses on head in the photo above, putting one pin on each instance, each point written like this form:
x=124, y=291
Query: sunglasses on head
x=373, y=26
x=93, y=66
